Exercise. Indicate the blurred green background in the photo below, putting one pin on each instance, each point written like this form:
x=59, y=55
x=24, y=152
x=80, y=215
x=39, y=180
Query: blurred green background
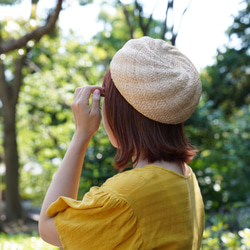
x=40, y=67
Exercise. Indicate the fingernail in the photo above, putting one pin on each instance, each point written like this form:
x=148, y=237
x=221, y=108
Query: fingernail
x=96, y=92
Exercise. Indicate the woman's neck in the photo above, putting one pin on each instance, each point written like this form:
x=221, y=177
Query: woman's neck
x=175, y=166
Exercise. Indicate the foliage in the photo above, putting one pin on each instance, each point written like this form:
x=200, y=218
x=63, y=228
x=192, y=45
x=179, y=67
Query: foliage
x=23, y=242
x=218, y=237
x=227, y=230
x=220, y=128
x=131, y=21
x=240, y=27
x=8, y=2
x=222, y=163
x=227, y=84
x=45, y=121
x=84, y=2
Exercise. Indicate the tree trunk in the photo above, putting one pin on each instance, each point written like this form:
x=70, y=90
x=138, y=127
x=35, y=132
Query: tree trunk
x=9, y=92
x=13, y=202
x=1, y=204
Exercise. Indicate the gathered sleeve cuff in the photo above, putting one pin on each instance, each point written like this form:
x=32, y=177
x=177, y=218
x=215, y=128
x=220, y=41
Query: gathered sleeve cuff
x=101, y=220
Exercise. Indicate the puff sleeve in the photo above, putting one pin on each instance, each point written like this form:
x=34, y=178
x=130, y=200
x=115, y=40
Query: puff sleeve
x=101, y=220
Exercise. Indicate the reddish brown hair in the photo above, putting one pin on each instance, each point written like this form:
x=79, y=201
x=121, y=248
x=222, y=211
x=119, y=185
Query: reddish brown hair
x=139, y=136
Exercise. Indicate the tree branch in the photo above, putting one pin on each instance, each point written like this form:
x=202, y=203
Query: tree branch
x=125, y=11
x=34, y=35
x=144, y=27
x=165, y=28
x=17, y=81
x=148, y=24
x=183, y=13
x=33, y=66
x=174, y=32
x=139, y=8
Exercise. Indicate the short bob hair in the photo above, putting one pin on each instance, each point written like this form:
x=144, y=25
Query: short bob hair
x=140, y=137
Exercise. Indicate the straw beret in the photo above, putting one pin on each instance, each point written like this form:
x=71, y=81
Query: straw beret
x=156, y=79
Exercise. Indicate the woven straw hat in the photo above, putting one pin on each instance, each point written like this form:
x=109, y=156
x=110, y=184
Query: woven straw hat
x=156, y=79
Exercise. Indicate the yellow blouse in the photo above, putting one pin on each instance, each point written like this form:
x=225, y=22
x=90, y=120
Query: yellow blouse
x=146, y=208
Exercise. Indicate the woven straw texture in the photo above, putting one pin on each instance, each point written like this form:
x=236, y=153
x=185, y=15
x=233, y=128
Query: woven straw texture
x=156, y=79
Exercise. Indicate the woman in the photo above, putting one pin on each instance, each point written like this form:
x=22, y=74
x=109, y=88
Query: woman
x=150, y=90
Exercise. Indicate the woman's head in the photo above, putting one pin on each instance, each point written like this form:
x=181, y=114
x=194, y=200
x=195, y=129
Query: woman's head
x=156, y=79
x=150, y=90
x=137, y=136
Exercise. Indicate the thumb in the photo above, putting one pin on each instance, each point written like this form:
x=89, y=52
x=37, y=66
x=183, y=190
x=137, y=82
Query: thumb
x=96, y=100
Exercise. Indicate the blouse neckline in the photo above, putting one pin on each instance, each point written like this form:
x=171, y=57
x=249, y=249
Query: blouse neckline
x=185, y=176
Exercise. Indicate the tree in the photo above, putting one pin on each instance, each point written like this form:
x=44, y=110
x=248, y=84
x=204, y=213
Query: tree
x=139, y=24
x=10, y=85
x=228, y=84
x=221, y=120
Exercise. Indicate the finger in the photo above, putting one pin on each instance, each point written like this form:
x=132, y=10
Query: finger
x=77, y=92
x=96, y=101
x=86, y=92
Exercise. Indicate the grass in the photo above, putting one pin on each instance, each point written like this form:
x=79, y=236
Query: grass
x=217, y=237
x=22, y=242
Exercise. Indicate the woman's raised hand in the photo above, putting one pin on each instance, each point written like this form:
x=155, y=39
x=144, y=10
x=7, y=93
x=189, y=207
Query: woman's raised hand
x=87, y=119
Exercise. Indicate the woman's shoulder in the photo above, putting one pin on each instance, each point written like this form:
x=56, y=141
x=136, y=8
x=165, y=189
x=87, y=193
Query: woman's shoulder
x=139, y=180
x=126, y=182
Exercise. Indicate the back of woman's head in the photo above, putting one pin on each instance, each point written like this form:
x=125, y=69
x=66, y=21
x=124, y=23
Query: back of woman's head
x=140, y=137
